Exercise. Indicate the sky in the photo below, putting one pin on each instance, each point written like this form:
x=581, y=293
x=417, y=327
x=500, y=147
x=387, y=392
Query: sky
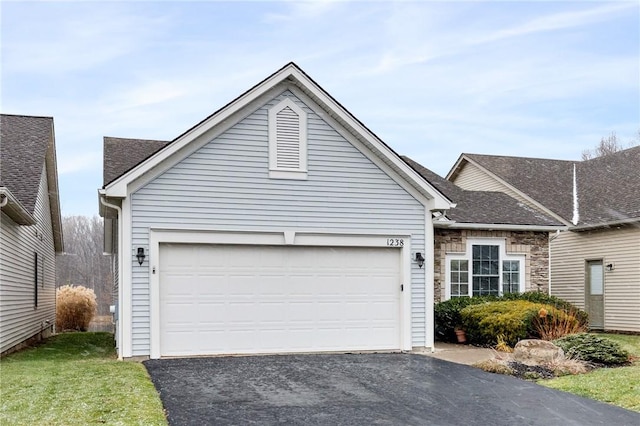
x=433, y=79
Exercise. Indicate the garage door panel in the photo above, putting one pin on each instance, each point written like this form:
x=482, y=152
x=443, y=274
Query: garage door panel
x=242, y=299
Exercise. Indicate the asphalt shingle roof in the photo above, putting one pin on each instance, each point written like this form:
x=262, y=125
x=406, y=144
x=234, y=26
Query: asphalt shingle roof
x=483, y=207
x=608, y=186
x=23, y=146
x=121, y=155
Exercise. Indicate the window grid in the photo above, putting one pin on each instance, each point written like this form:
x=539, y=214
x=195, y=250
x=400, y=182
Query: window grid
x=510, y=276
x=459, y=278
x=486, y=270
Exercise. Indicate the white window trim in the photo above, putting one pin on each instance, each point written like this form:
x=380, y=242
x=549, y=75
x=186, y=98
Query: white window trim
x=468, y=255
x=276, y=172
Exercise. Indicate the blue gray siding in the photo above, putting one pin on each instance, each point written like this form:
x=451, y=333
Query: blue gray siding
x=225, y=186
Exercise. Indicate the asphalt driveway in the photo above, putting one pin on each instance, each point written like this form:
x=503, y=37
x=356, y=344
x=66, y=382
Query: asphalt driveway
x=362, y=389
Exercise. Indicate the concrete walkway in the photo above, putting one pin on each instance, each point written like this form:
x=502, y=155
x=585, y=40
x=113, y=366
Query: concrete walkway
x=460, y=354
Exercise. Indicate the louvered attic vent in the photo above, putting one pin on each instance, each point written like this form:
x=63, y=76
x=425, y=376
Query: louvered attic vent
x=287, y=141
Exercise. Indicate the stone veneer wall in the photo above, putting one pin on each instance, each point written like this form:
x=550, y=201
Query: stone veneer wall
x=533, y=244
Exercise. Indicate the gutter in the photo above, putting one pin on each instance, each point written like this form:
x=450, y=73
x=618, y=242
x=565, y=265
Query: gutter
x=499, y=226
x=626, y=221
x=14, y=209
x=102, y=197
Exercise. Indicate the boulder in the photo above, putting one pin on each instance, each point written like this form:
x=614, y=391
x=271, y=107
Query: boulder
x=536, y=352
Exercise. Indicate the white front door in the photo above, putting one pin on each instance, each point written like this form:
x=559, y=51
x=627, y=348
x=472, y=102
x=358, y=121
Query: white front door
x=226, y=299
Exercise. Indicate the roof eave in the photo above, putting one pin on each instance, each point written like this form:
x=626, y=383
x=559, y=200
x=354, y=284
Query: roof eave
x=54, y=193
x=14, y=209
x=500, y=226
x=608, y=224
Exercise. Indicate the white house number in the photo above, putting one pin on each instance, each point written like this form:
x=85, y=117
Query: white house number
x=395, y=242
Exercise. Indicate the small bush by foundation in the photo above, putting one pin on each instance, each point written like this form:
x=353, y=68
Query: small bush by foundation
x=75, y=308
x=592, y=348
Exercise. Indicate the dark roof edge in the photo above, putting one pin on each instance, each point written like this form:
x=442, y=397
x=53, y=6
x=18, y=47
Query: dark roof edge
x=14, y=209
x=588, y=227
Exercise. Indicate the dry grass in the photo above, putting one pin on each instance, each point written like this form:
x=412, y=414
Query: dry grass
x=75, y=307
x=555, y=323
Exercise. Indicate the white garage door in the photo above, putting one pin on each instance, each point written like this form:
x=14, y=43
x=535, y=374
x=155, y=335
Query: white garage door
x=222, y=299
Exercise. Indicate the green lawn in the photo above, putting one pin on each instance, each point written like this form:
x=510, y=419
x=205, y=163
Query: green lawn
x=619, y=386
x=75, y=378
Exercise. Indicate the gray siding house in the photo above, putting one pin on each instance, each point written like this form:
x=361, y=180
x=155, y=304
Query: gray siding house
x=595, y=262
x=30, y=229
x=278, y=224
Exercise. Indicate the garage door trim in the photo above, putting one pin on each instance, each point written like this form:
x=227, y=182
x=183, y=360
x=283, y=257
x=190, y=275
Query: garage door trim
x=284, y=238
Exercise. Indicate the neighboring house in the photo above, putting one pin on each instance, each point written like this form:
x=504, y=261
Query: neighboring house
x=30, y=229
x=596, y=262
x=278, y=224
x=489, y=244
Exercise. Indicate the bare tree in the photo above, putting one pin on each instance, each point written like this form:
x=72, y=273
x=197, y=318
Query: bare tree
x=608, y=145
x=83, y=262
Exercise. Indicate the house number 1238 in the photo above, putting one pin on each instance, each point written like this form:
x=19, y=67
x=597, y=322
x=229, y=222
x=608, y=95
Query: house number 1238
x=395, y=242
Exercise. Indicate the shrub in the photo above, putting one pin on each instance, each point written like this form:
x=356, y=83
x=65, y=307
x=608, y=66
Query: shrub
x=592, y=348
x=447, y=316
x=508, y=319
x=551, y=324
x=75, y=307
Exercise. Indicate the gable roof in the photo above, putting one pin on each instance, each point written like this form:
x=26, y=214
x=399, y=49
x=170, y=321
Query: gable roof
x=608, y=188
x=293, y=77
x=121, y=155
x=27, y=143
x=485, y=208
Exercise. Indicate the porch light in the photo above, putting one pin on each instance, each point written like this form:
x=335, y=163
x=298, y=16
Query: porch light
x=140, y=256
x=419, y=259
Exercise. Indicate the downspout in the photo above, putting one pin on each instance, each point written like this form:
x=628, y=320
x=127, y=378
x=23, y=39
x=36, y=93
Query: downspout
x=119, y=217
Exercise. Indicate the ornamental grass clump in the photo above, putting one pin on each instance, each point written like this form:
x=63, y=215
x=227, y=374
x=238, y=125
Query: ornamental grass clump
x=75, y=308
x=551, y=323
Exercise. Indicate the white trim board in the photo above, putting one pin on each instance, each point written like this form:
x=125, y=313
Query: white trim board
x=284, y=238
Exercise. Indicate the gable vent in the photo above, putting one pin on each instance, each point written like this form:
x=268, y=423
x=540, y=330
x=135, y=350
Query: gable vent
x=287, y=141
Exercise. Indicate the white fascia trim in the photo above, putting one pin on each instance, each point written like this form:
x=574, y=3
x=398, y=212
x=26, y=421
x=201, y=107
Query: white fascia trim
x=159, y=236
x=626, y=221
x=14, y=208
x=500, y=227
x=429, y=282
x=389, y=157
x=126, y=285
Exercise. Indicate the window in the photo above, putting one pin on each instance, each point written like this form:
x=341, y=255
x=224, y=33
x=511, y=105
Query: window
x=35, y=280
x=510, y=276
x=287, y=141
x=459, y=275
x=484, y=269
